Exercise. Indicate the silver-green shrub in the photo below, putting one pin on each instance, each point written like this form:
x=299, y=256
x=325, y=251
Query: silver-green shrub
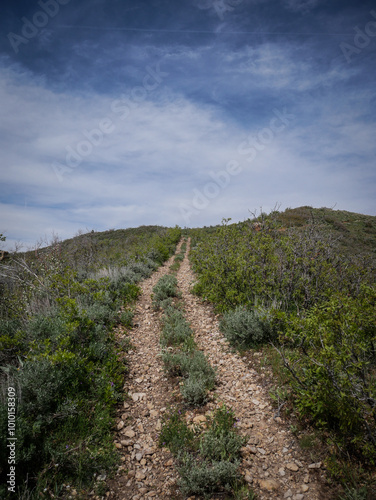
x=244, y=328
x=207, y=477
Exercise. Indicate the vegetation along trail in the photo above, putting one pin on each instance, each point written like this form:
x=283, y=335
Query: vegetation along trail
x=272, y=463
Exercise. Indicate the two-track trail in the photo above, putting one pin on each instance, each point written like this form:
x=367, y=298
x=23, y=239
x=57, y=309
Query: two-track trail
x=272, y=462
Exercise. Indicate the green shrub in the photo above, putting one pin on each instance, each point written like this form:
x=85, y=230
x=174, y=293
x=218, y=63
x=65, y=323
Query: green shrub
x=189, y=345
x=209, y=459
x=202, y=478
x=244, y=328
x=12, y=338
x=331, y=356
x=159, y=253
x=173, y=335
x=189, y=363
x=224, y=446
x=223, y=420
x=355, y=494
x=142, y=270
x=152, y=264
x=128, y=275
x=123, y=290
x=175, y=434
x=164, y=289
x=175, y=266
x=222, y=441
x=198, y=373
x=102, y=314
x=126, y=318
x=175, y=328
x=59, y=352
x=196, y=364
x=194, y=390
x=163, y=304
x=173, y=362
x=41, y=328
x=173, y=316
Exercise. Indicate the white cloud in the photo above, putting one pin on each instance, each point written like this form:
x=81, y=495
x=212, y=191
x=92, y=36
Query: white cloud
x=153, y=159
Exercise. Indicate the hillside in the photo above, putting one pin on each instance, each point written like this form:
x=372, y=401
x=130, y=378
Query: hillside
x=243, y=367
x=299, y=287
x=356, y=232
x=62, y=365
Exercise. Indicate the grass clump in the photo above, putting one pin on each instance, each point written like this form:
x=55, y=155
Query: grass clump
x=194, y=391
x=355, y=494
x=178, y=259
x=126, y=318
x=175, y=334
x=199, y=376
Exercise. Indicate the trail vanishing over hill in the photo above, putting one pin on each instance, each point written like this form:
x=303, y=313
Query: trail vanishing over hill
x=272, y=463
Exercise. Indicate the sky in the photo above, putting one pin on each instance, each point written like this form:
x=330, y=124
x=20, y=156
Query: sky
x=117, y=114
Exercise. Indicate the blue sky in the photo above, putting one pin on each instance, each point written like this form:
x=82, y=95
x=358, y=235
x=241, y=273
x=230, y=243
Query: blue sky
x=117, y=113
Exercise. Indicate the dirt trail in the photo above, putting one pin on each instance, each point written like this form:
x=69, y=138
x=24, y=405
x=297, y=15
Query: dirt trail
x=147, y=471
x=272, y=462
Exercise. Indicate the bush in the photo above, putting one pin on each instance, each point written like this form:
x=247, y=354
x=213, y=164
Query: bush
x=194, y=390
x=175, y=328
x=58, y=350
x=244, y=329
x=190, y=363
x=355, y=494
x=126, y=318
x=142, y=270
x=208, y=459
x=128, y=275
x=202, y=478
x=223, y=446
x=173, y=362
x=333, y=368
x=197, y=364
x=173, y=335
x=175, y=434
x=199, y=374
x=102, y=314
x=222, y=441
x=164, y=289
x=12, y=337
